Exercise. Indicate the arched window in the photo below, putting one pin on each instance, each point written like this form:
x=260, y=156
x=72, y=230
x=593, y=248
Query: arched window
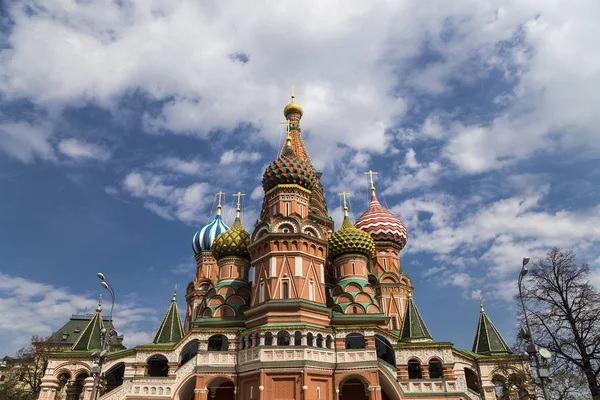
x=157, y=365
x=355, y=341
x=414, y=370
x=285, y=290
x=394, y=324
x=297, y=338
x=319, y=340
x=435, y=369
x=309, y=339
x=472, y=380
x=328, y=341
x=354, y=310
x=283, y=338
x=188, y=352
x=385, y=350
x=268, y=339
x=311, y=290
x=519, y=385
x=500, y=389
x=218, y=343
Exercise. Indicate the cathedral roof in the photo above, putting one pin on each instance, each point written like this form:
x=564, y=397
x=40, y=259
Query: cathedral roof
x=171, y=329
x=289, y=169
x=233, y=242
x=488, y=340
x=349, y=239
x=413, y=326
x=91, y=337
x=204, y=238
x=382, y=224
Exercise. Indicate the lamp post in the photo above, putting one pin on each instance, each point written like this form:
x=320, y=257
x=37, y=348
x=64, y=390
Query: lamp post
x=532, y=350
x=105, y=335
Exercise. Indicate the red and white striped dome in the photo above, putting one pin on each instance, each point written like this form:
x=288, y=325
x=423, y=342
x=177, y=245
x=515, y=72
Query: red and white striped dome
x=382, y=224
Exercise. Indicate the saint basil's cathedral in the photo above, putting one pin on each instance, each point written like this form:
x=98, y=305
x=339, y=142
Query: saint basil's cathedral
x=328, y=315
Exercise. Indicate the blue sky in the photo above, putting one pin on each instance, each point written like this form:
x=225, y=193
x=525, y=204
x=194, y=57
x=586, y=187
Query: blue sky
x=120, y=120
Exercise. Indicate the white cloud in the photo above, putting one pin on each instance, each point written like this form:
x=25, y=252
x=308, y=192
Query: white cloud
x=26, y=141
x=188, y=167
x=33, y=308
x=232, y=156
x=185, y=203
x=78, y=149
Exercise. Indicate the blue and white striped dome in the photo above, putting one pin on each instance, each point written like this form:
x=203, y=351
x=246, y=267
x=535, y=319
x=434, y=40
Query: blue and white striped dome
x=204, y=238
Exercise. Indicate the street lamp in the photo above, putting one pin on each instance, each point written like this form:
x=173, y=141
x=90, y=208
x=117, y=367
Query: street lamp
x=532, y=349
x=105, y=335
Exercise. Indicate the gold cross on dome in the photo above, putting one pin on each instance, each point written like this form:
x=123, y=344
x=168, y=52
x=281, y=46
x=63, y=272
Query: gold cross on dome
x=239, y=196
x=220, y=193
x=344, y=196
x=288, y=123
x=371, y=173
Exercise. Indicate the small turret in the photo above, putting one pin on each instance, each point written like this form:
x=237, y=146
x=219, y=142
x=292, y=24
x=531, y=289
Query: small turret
x=413, y=326
x=171, y=330
x=488, y=340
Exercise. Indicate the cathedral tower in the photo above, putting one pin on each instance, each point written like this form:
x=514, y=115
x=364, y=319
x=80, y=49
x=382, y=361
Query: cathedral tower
x=206, y=265
x=289, y=243
x=390, y=236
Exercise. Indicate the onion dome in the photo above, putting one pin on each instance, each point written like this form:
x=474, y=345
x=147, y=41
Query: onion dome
x=292, y=108
x=204, y=238
x=233, y=242
x=349, y=239
x=288, y=169
x=382, y=224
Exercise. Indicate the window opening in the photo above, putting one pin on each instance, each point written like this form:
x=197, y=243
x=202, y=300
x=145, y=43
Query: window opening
x=414, y=370
x=435, y=369
x=285, y=291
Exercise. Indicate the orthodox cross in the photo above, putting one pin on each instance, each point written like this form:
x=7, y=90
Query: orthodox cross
x=371, y=173
x=288, y=123
x=220, y=193
x=239, y=196
x=344, y=196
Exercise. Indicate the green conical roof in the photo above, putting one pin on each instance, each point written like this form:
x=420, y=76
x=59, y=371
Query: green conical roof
x=91, y=337
x=170, y=329
x=413, y=326
x=488, y=340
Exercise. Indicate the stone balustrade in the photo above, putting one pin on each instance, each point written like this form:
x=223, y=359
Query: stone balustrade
x=428, y=386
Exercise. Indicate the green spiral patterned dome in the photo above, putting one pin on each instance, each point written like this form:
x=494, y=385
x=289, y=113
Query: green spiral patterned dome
x=288, y=169
x=233, y=242
x=349, y=239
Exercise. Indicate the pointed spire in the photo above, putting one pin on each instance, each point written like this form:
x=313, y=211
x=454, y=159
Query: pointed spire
x=170, y=329
x=91, y=337
x=413, y=326
x=488, y=340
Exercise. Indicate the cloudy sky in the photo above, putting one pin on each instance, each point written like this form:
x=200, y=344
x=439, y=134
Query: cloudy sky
x=119, y=120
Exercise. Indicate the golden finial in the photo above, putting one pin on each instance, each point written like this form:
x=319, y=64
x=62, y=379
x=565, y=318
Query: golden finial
x=219, y=206
x=292, y=107
x=174, y=294
x=371, y=173
x=410, y=294
x=480, y=304
x=344, y=195
x=239, y=196
x=99, y=308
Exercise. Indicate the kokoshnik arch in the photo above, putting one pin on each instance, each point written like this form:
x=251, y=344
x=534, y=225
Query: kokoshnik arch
x=328, y=315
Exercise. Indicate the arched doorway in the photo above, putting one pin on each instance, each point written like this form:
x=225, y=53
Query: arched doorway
x=189, y=351
x=114, y=377
x=353, y=389
x=221, y=389
x=75, y=388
